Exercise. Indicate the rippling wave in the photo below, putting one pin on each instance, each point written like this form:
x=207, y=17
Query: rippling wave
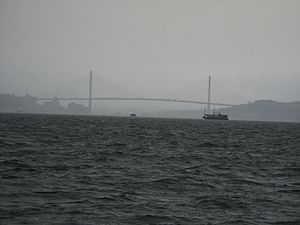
x=75, y=170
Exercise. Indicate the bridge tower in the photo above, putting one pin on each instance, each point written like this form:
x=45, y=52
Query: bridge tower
x=90, y=91
x=209, y=90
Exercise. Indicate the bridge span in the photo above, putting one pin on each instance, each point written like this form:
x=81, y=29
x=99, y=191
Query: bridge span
x=90, y=99
x=138, y=99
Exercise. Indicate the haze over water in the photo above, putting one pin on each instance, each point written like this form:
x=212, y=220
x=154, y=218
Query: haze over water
x=152, y=48
x=90, y=170
x=108, y=170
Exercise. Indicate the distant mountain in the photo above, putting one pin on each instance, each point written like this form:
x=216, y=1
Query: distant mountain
x=28, y=104
x=265, y=110
x=261, y=110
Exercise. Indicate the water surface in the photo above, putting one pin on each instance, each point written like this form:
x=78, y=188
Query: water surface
x=64, y=170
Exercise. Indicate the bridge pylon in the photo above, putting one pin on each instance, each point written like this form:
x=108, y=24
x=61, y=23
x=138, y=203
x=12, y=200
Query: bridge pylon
x=209, y=93
x=90, y=92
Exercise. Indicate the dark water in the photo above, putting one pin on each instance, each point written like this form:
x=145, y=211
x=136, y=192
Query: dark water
x=99, y=170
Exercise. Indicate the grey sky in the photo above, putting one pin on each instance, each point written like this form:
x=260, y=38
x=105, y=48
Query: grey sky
x=152, y=47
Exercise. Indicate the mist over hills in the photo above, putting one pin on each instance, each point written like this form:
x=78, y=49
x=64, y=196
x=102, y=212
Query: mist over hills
x=199, y=91
x=265, y=110
x=103, y=87
x=152, y=48
x=234, y=89
x=79, y=87
x=260, y=110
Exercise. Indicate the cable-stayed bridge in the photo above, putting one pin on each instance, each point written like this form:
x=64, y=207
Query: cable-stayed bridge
x=90, y=98
x=138, y=99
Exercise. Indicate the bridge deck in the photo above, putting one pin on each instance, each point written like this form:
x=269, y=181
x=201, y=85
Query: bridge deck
x=139, y=99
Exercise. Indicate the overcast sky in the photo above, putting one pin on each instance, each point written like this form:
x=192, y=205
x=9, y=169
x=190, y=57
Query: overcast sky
x=152, y=47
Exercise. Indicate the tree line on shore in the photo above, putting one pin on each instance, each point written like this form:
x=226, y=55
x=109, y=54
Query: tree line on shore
x=30, y=104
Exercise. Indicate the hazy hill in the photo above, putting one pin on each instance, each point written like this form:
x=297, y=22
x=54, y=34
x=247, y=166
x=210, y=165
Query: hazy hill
x=260, y=110
x=266, y=110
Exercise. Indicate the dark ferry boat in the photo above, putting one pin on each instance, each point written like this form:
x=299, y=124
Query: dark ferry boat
x=214, y=115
